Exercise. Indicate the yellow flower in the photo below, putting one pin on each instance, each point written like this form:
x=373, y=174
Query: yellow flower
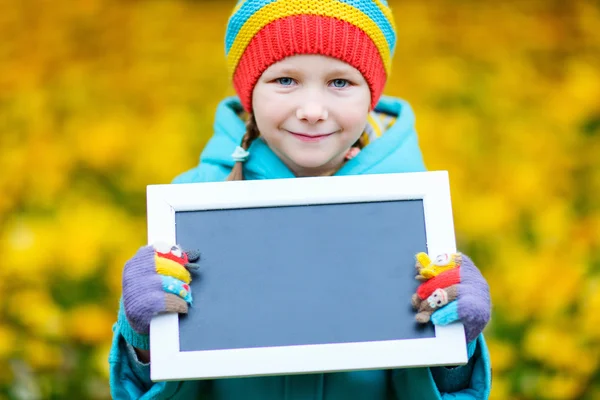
x=542, y=283
x=501, y=387
x=554, y=223
x=12, y=163
x=101, y=360
x=161, y=153
x=37, y=311
x=7, y=341
x=581, y=89
x=515, y=287
x=502, y=354
x=6, y=374
x=90, y=231
x=91, y=324
x=105, y=143
x=560, y=387
x=27, y=245
x=588, y=314
x=41, y=355
x=561, y=349
x=484, y=214
x=53, y=162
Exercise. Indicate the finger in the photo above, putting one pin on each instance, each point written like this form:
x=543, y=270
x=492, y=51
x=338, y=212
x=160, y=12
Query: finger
x=423, y=317
x=446, y=315
x=192, y=266
x=168, y=267
x=193, y=255
x=177, y=287
x=415, y=301
x=175, y=304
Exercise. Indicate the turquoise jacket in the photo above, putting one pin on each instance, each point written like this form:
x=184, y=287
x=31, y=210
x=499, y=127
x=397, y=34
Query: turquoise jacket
x=395, y=151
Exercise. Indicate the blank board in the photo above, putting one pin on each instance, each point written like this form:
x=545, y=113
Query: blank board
x=328, y=274
x=304, y=275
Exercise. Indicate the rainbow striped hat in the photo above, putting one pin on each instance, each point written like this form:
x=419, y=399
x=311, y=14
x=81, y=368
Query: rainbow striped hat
x=263, y=32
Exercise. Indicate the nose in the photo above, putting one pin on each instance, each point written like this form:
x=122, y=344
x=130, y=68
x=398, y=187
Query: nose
x=312, y=111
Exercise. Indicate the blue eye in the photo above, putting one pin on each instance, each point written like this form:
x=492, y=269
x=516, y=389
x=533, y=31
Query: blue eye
x=340, y=83
x=285, y=81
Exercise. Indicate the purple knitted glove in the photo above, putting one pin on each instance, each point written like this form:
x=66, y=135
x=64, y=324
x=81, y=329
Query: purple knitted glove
x=156, y=280
x=472, y=306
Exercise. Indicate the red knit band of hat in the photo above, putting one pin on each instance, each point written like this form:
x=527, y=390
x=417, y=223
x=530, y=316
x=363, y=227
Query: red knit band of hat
x=309, y=34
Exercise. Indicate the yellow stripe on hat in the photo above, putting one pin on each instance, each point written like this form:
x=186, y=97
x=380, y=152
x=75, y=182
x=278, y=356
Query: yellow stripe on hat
x=326, y=8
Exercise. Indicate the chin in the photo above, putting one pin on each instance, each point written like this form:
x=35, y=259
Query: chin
x=314, y=169
x=310, y=163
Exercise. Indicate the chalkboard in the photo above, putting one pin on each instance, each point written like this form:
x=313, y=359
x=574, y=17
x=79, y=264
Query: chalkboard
x=316, y=270
x=296, y=275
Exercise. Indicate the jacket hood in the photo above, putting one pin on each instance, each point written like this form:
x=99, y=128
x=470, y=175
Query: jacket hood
x=397, y=150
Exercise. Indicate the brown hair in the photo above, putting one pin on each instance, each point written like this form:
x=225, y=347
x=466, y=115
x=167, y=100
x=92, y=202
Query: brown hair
x=252, y=133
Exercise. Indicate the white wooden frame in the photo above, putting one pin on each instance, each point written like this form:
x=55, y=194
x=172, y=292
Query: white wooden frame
x=448, y=347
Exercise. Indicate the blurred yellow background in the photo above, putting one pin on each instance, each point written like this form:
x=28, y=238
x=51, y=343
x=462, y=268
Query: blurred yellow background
x=99, y=98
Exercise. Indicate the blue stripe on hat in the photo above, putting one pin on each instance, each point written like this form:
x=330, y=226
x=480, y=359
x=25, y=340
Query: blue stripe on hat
x=368, y=7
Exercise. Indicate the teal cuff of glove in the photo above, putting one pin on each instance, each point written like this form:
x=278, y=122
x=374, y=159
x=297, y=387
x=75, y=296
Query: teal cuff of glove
x=446, y=315
x=135, y=339
x=471, y=347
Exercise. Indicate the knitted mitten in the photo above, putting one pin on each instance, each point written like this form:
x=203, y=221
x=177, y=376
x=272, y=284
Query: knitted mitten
x=155, y=280
x=462, y=289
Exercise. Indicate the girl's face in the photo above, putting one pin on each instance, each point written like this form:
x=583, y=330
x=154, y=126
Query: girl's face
x=310, y=109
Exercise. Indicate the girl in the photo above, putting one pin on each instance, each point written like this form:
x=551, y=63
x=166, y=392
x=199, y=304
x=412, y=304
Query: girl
x=309, y=75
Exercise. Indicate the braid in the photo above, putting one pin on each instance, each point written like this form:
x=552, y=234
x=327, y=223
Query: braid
x=360, y=143
x=252, y=133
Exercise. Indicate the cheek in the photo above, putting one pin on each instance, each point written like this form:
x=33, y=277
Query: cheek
x=362, y=98
x=268, y=109
x=267, y=118
x=354, y=112
x=354, y=121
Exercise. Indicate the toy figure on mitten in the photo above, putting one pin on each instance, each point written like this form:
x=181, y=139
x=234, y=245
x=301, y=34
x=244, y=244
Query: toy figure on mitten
x=453, y=290
x=440, y=276
x=438, y=299
x=428, y=268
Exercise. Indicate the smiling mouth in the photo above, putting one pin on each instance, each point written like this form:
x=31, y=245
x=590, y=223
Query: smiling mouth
x=310, y=138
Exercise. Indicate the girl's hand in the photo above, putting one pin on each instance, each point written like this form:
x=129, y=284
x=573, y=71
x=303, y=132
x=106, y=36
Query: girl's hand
x=156, y=280
x=472, y=304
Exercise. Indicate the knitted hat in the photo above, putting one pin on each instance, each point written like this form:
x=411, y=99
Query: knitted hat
x=263, y=32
